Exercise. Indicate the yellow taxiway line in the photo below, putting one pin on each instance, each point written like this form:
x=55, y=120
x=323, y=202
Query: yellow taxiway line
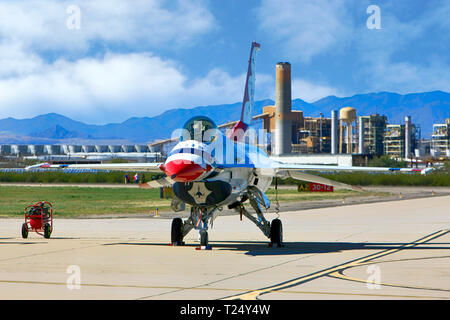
x=253, y=295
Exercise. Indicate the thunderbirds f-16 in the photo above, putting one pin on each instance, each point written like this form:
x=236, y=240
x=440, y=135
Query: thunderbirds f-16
x=209, y=170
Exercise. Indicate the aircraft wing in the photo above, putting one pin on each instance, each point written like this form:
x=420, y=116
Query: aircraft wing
x=312, y=167
x=145, y=166
x=297, y=171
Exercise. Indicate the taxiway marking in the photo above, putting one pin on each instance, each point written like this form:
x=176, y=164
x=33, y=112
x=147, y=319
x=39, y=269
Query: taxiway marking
x=253, y=295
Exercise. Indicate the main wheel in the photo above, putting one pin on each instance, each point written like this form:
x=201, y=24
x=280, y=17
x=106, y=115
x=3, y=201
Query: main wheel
x=24, y=231
x=177, y=232
x=47, y=231
x=203, y=238
x=276, y=233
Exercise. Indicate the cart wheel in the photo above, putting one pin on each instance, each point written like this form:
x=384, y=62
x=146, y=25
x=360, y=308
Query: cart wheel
x=47, y=231
x=24, y=231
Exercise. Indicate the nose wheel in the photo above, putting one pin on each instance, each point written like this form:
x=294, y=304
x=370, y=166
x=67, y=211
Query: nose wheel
x=203, y=238
x=204, y=244
x=276, y=233
x=177, y=232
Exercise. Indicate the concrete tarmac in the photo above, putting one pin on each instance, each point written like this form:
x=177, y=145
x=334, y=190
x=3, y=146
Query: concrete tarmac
x=384, y=250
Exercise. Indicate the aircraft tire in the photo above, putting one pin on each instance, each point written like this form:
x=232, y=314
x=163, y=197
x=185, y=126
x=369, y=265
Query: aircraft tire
x=177, y=231
x=276, y=233
x=203, y=238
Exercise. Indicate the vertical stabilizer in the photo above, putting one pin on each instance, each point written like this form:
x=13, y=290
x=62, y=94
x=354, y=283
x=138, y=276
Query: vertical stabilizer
x=249, y=93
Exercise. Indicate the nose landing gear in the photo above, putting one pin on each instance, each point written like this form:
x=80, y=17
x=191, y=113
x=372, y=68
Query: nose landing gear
x=198, y=220
x=204, y=240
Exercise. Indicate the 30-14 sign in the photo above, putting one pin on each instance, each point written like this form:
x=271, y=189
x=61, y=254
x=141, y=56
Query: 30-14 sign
x=315, y=187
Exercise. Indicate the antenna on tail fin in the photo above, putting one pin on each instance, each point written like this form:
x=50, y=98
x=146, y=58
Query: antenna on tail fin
x=249, y=93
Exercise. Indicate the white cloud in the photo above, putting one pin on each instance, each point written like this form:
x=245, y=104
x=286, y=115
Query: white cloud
x=15, y=61
x=47, y=67
x=403, y=77
x=42, y=25
x=305, y=28
x=311, y=92
x=113, y=88
x=384, y=69
x=384, y=59
x=306, y=90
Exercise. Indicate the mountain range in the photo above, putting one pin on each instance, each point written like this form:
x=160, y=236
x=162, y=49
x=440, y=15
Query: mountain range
x=424, y=108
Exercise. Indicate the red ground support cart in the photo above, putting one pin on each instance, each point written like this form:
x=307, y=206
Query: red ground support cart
x=38, y=218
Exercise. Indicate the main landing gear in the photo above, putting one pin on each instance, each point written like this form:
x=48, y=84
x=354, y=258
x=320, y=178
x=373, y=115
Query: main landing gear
x=273, y=231
x=200, y=217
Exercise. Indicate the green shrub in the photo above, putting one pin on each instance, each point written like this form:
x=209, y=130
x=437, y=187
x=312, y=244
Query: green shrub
x=66, y=177
x=435, y=179
x=387, y=161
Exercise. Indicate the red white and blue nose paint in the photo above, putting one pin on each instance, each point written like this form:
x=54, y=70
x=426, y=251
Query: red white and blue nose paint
x=184, y=170
x=187, y=163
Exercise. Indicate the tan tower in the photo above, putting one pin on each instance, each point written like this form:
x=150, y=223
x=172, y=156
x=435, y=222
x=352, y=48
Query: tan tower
x=283, y=108
x=347, y=116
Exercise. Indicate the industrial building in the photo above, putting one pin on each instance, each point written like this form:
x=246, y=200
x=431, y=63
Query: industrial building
x=288, y=133
x=371, y=131
x=394, y=140
x=81, y=153
x=314, y=136
x=343, y=134
x=400, y=140
x=440, y=139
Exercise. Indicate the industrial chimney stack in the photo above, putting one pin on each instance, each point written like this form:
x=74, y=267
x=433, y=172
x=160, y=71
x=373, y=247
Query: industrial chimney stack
x=407, y=136
x=334, y=131
x=283, y=107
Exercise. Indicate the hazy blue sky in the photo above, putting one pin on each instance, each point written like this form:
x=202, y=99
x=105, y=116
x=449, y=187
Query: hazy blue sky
x=105, y=61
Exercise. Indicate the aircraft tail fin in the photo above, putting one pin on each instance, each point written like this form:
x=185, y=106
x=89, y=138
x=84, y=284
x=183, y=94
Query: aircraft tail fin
x=249, y=93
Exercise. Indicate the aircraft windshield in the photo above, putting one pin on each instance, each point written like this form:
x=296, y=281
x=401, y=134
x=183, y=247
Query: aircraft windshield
x=198, y=127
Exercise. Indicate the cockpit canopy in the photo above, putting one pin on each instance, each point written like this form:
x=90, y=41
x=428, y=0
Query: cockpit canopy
x=200, y=128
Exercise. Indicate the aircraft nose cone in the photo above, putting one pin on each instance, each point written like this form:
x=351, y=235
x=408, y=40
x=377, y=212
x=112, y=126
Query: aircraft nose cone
x=183, y=170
